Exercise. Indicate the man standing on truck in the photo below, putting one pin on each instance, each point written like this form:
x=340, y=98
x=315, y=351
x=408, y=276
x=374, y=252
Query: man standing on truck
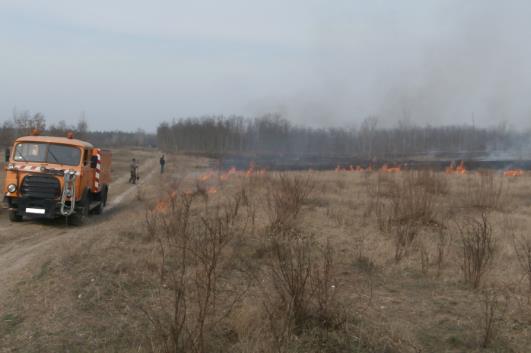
x=134, y=172
x=162, y=164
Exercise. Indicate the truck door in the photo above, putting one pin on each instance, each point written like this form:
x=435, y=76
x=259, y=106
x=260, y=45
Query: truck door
x=85, y=170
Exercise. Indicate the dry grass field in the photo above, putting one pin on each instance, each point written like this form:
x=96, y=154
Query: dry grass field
x=197, y=260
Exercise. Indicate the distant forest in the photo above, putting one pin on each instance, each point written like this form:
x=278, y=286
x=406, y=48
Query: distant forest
x=24, y=123
x=274, y=135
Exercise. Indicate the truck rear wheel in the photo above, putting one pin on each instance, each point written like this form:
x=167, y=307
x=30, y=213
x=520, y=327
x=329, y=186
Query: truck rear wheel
x=98, y=209
x=14, y=217
x=103, y=202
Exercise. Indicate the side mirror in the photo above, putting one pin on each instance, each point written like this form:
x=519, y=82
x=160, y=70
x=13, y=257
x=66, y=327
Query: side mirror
x=93, y=161
x=7, y=154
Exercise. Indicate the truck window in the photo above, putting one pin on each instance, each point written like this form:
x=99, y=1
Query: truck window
x=62, y=154
x=47, y=153
x=30, y=152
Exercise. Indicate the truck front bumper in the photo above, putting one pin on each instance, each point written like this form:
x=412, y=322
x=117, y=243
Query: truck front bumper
x=34, y=208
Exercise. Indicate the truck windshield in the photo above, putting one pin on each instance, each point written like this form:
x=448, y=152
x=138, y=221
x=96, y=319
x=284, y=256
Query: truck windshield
x=47, y=153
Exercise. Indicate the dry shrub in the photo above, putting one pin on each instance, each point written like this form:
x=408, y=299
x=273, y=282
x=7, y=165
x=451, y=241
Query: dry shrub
x=424, y=257
x=199, y=282
x=303, y=286
x=493, y=307
x=300, y=293
x=286, y=197
x=478, y=245
x=484, y=192
x=443, y=241
x=409, y=209
x=378, y=192
x=522, y=249
x=403, y=234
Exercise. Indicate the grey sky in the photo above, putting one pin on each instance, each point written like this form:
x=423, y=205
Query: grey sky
x=131, y=64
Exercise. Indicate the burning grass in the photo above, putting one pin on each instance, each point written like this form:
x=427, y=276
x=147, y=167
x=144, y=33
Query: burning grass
x=249, y=261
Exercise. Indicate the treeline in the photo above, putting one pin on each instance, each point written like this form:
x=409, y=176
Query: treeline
x=272, y=134
x=24, y=123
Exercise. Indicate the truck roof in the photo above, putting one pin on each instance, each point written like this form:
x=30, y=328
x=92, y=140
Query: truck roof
x=59, y=140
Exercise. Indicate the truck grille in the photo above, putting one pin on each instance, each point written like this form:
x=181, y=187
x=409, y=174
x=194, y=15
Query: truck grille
x=40, y=186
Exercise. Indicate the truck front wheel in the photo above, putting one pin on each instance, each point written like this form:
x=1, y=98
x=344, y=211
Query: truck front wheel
x=81, y=214
x=14, y=217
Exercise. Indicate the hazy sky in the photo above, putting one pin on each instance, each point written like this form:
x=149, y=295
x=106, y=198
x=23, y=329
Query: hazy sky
x=131, y=64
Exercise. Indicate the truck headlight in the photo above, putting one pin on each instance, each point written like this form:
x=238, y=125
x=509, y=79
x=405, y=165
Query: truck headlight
x=11, y=188
x=10, y=166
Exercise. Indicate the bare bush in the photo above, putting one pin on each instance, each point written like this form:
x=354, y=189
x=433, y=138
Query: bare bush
x=412, y=202
x=478, y=245
x=424, y=258
x=522, y=248
x=324, y=283
x=303, y=286
x=443, y=240
x=493, y=307
x=409, y=209
x=403, y=235
x=195, y=292
x=286, y=197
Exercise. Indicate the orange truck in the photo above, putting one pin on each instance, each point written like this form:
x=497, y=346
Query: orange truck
x=49, y=177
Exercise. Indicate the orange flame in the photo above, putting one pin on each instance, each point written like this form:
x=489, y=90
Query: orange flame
x=250, y=170
x=161, y=206
x=387, y=169
x=460, y=169
x=225, y=176
x=359, y=169
x=206, y=176
x=513, y=172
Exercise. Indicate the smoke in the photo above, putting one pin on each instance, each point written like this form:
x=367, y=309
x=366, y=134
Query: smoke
x=317, y=62
x=446, y=62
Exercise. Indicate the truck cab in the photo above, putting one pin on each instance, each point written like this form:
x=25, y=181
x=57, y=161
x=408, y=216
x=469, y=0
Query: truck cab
x=49, y=177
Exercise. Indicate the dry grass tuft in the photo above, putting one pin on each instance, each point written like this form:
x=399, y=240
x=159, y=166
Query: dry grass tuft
x=494, y=305
x=478, y=246
x=522, y=249
x=286, y=197
x=407, y=211
x=484, y=192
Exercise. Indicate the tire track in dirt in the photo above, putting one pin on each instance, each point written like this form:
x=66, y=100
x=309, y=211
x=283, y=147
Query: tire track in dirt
x=31, y=240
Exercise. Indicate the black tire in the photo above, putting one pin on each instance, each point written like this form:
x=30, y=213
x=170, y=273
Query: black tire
x=80, y=217
x=14, y=217
x=105, y=194
x=98, y=209
x=103, y=201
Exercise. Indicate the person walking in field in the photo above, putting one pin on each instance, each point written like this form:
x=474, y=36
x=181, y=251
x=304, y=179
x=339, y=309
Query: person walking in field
x=134, y=172
x=162, y=164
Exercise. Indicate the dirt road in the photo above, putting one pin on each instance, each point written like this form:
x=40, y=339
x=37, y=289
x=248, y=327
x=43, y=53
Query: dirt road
x=22, y=244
